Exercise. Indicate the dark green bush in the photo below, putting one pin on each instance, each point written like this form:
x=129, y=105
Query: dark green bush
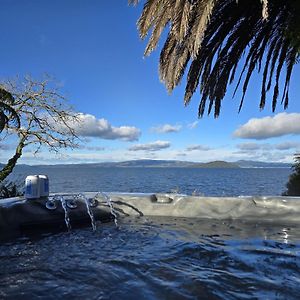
x=293, y=185
x=10, y=189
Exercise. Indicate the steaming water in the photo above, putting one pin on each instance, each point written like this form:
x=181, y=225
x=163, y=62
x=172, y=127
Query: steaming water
x=160, y=258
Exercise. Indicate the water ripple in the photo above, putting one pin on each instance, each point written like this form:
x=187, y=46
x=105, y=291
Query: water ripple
x=156, y=258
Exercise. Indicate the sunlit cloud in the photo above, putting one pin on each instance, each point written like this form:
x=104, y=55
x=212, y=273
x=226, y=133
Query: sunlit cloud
x=155, y=146
x=275, y=156
x=262, y=155
x=90, y=148
x=89, y=126
x=268, y=127
x=198, y=148
x=288, y=146
x=181, y=154
x=284, y=146
x=166, y=128
x=253, y=146
x=6, y=147
x=192, y=125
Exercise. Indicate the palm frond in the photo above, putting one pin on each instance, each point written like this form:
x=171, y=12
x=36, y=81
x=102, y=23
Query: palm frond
x=214, y=35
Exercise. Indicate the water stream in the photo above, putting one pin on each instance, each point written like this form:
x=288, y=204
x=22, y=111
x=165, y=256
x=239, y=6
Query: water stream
x=64, y=206
x=89, y=211
x=109, y=203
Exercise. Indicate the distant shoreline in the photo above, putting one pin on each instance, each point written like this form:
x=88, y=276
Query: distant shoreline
x=172, y=164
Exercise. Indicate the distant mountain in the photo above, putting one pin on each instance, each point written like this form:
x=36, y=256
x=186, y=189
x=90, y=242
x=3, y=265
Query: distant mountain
x=218, y=164
x=149, y=163
x=260, y=164
x=174, y=164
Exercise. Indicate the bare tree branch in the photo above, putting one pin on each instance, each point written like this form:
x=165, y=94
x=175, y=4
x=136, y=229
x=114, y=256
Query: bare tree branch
x=45, y=118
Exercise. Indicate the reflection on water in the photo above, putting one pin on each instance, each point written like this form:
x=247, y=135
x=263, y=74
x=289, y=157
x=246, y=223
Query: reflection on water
x=156, y=258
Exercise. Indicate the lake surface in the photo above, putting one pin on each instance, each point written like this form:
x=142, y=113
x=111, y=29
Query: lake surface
x=158, y=257
x=208, y=182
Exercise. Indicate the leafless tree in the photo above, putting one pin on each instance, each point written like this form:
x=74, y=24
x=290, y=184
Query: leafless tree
x=45, y=118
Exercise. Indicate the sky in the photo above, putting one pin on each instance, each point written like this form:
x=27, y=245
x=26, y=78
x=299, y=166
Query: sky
x=93, y=50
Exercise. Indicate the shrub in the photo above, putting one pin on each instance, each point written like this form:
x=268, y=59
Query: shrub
x=293, y=185
x=10, y=189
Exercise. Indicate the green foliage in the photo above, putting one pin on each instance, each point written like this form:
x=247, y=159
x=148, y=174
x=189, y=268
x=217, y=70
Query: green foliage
x=7, y=112
x=293, y=185
x=10, y=189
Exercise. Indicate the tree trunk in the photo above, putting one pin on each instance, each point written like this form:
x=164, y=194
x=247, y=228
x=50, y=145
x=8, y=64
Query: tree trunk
x=8, y=168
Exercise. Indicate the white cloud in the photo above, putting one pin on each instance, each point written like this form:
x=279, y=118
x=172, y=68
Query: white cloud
x=155, y=146
x=181, y=154
x=248, y=147
x=268, y=127
x=90, y=126
x=253, y=146
x=192, y=125
x=275, y=156
x=261, y=155
x=288, y=146
x=197, y=148
x=6, y=147
x=91, y=148
x=166, y=128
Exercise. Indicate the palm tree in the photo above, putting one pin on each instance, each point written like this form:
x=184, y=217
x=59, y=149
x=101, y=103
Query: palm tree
x=214, y=38
x=7, y=112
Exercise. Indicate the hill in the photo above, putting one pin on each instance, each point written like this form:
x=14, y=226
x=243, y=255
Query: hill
x=145, y=163
x=217, y=164
x=260, y=164
x=149, y=163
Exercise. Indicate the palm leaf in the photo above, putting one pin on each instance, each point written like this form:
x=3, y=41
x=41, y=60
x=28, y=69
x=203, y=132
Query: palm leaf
x=208, y=38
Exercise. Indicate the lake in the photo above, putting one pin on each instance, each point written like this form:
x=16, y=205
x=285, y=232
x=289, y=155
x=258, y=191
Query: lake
x=208, y=182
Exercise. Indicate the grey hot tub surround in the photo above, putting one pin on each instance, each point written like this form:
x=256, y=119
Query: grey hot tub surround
x=19, y=215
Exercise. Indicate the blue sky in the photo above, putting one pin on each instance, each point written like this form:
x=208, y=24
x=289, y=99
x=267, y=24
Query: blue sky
x=93, y=49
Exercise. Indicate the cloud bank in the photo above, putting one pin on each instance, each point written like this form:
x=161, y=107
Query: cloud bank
x=268, y=127
x=155, y=146
x=255, y=147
